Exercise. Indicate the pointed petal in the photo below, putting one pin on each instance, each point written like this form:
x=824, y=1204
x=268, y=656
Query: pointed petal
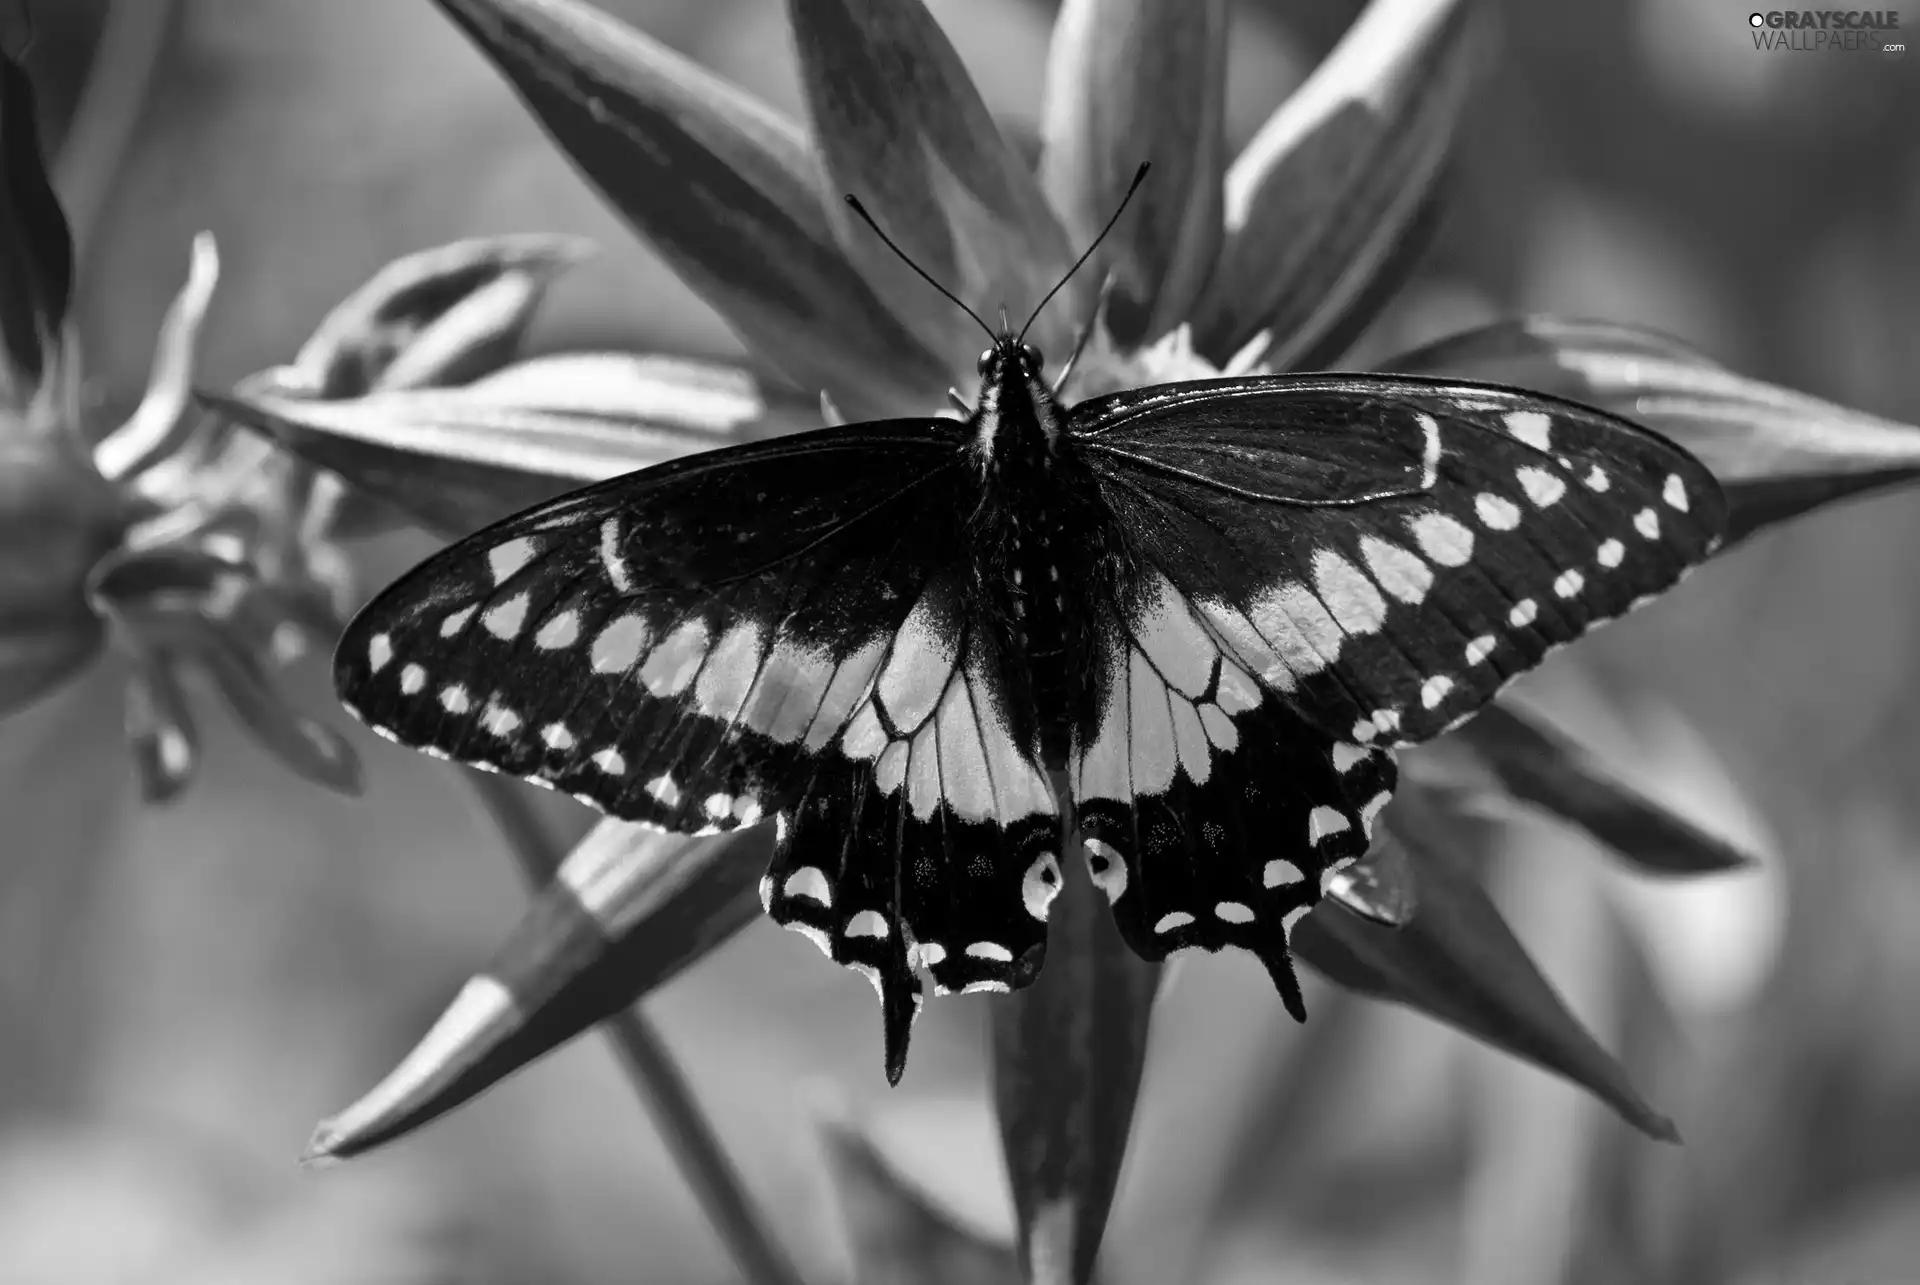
x=628, y=910
x=1321, y=203
x=159, y=726
x=1131, y=81
x=455, y=459
x=723, y=186
x=1536, y=764
x=1067, y=1056
x=441, y=316
x=1459, y=962
x=1777, y=453
x=902, y=127
x=36, y=247
x=159, y=423
x=898, y=1233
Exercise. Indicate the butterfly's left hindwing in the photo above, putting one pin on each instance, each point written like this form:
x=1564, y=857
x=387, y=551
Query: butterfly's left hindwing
x=774, y=630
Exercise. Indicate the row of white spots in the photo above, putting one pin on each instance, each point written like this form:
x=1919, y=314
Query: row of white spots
x=1155, y=723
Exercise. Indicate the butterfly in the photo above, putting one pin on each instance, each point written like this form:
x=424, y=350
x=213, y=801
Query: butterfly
x=1189, y=624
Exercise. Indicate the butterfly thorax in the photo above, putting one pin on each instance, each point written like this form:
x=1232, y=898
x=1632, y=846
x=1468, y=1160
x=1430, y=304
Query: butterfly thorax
x=1038, y=537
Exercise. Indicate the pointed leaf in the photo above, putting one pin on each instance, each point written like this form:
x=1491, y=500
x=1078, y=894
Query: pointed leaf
x=902, y=127
x=1321, y=202
x=1067, y=1056
x=441, y=316
x=1777, y=453
x=1131, y=81
x=455, y=459
x=1459, y=962
x=160, y=423
x=628, y=910
x=723, y=186
x=1538, y=765
x=1380, y=886
x=898, y=1233
x=36, y=247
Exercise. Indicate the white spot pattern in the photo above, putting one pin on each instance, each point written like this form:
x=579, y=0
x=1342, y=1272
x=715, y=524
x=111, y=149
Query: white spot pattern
x=1497, y=512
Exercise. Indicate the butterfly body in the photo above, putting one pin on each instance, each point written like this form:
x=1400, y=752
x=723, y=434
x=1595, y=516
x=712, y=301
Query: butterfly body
x=1183, y=625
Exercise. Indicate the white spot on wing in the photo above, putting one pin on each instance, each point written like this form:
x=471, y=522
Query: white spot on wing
x=1542, y=487
x=610, y=761
x=1647, y=523
x=379, y=652
x=455, y=700
x=1400, y=572
x=810, y=883
x=793, y=681
x=1108, y=871
x=412, y=679
x=1281, y=871
x=1168, y=923
x=991, y=950
x=1569, y=583
x=504, y=560
x=1176, y=645
x=561, y=631
x=1233, y=912
x=556, y=736
x=1040, y=886
x=1347, y=593
x=1597, y=479
x=1324, y=822
x=672, y=664
x=917, y=670
x=1480, y=648
x=1523, y=613
x=506, y=619
x=499, y=720
x=1610, y=553
x=616, y=647
x=868, y=923
x=1445, y=540
x=1429, y=450
x=664, y=790
x=1298, y=625
x=852, y=679
x=1532, y=427
x=1675, y=492
x=1346, y=756
x=611, y=557
x=1497, y=512
x=457, y=620
x=1435, y=690
x=729, y=672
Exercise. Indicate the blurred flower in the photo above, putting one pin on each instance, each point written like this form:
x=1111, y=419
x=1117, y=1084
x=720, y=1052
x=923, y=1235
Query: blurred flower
x=158, y=539
x=1273, y=262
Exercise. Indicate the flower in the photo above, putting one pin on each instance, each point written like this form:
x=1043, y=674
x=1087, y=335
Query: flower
x=1275, y=261
x=180, y=546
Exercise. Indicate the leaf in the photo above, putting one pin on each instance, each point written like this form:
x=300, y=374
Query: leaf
x=456, y=459
x=36, y=247
x=1067, y=1057
x=902, y=127
x=723, y=186
x=1131, y=81
x=441, y=316
x=898, y=1233
x=1540, y=766
x=630, y=908
x=1322, y=202
x=1459, y=962
x=1777, y=453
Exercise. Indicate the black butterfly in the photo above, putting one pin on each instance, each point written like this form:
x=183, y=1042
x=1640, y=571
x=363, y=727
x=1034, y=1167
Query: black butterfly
x=1193, y=618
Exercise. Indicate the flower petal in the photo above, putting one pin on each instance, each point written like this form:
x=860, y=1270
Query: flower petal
x=36, y=247
x=898, y=1233
x=1131, y=81
x=628, y=910
x=903, y=128
x=1320, y=204
x=184, y=605
x=441, y=316
x=1532, y=762
x=455, y=459
x=160, y=731
x=1777, y=453
x=1067, y=1056
x=1380, y=886
x=160, y=422
x=723, y=186
x=1458, y=961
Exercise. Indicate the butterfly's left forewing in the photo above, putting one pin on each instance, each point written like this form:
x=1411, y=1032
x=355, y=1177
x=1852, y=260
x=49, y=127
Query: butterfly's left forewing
x=1331, y=566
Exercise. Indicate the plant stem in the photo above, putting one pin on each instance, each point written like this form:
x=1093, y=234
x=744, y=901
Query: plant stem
x=657, y=1079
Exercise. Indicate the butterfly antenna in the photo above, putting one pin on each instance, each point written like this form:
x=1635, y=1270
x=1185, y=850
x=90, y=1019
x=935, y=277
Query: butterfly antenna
x=1139, y=177
x=866, y=218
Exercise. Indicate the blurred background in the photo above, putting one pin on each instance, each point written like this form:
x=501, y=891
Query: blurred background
x=184, y=992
